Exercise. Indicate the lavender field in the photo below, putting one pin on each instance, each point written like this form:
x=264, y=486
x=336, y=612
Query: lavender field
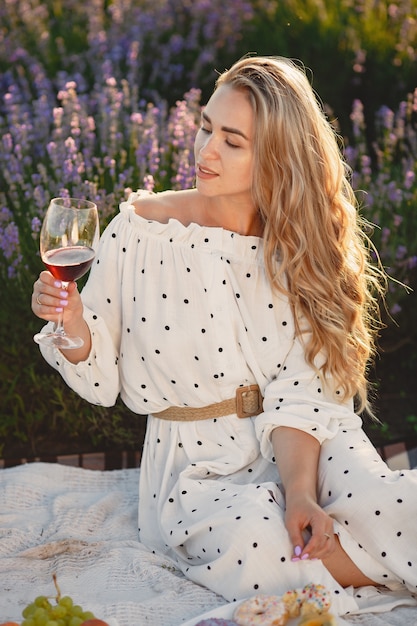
x=98, y=98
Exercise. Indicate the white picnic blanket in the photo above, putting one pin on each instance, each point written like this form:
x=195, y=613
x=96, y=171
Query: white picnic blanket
x=82, y=525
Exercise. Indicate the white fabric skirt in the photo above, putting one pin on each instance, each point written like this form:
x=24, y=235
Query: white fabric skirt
x=222, y=520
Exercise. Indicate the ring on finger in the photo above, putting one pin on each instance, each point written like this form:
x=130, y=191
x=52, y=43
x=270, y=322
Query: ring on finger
x=38, y=300
x=327, y=535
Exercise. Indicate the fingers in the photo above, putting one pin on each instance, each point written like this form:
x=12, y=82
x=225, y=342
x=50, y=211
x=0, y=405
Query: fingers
x=322, y=543
x=49, y=298
x=299, y=541
x=312, y=536
x=317, y=549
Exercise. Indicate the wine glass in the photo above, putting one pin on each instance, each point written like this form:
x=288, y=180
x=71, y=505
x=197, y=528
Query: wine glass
x=68, y=241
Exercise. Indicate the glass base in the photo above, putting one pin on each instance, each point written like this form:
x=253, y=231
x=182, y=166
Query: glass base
x=58, y=340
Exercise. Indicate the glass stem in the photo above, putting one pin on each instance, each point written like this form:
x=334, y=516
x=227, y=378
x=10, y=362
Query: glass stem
x=59, y=328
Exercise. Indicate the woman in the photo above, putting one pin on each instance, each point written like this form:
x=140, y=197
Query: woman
x=253, y=287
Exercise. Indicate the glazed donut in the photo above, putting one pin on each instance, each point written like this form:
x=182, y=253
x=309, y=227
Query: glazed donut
x=325, y=619
x=261, y=610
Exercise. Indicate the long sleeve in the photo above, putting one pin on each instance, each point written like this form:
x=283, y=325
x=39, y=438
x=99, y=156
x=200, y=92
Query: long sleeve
x=298, y=398
x=97, y=378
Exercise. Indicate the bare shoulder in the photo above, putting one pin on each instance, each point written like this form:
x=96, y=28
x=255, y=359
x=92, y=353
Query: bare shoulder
x=165, y=205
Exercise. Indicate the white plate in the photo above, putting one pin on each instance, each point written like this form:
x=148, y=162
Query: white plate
x=226, y=612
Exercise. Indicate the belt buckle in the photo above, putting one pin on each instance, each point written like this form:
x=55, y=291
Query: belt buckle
x=248, y=401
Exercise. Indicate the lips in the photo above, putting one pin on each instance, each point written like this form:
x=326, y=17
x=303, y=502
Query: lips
x=205, y=172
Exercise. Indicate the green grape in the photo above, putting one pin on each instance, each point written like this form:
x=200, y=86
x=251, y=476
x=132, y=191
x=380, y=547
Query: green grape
x=58, y=611
x=29, y=610
x=75, y=620
x=65, y=601
x=88, y=615
x=51, y=622
x=28, y=622
x=40, y=616
x=77, y=610
x=43, y=602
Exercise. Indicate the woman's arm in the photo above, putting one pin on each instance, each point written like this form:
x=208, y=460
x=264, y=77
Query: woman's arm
x=297, y=455
x=309, y=527
x=93, y=370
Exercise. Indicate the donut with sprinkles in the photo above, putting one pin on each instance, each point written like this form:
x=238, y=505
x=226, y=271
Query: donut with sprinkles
x=261, y=610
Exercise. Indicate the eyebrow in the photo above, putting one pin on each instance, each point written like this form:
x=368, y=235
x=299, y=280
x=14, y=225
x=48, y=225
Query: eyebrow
x=226, y=129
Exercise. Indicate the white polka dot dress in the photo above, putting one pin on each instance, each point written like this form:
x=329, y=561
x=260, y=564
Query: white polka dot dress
x=182, y=316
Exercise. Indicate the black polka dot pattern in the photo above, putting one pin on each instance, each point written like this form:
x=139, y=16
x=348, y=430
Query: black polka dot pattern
x=183, y=316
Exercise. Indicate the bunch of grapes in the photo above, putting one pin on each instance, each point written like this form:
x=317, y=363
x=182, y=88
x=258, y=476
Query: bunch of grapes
x=41, y=612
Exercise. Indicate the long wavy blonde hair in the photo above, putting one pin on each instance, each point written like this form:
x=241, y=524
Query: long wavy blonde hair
x=311, y=221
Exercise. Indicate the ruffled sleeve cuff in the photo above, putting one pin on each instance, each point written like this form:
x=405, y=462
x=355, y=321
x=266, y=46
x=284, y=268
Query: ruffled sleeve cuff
x=97, y=378
x=299, y=399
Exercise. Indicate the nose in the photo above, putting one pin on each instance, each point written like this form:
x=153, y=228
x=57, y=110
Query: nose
x=208, y=146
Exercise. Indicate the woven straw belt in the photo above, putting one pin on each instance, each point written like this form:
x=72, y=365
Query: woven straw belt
x=246, y=403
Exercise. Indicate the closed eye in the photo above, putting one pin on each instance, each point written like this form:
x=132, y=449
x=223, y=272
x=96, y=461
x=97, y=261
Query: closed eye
x=203, y=129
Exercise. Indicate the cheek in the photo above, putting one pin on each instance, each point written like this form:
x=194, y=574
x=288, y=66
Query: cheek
x=247, y=168
x=198, y=142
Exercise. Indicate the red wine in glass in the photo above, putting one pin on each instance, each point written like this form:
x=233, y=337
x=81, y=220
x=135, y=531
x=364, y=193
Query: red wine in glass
x=68, y=240
x=69, y=263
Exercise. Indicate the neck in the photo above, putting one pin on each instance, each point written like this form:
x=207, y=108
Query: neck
x=238, y=218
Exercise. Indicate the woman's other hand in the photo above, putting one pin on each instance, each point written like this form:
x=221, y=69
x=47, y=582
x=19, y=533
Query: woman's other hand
x=309, y=527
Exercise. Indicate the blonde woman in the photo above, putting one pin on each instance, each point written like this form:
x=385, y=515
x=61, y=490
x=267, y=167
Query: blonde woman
x=240, y=316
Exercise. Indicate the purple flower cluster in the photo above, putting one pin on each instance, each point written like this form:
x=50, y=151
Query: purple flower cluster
x=87, y=149
x=97, y=99
x=385, y=177
x=92, y=103
x=9, y=242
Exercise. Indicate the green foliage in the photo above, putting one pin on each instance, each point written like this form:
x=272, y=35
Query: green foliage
x=38, y=412
x=355, y=48
x=102, y=63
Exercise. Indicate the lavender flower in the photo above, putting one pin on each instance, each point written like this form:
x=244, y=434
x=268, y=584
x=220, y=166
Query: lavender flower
x=391, y=190
x=106, y=105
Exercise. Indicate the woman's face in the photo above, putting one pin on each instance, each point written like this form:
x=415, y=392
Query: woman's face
x=224, y=146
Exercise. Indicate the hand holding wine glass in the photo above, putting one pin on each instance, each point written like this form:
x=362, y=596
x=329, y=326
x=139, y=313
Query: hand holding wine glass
x=68, y=241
